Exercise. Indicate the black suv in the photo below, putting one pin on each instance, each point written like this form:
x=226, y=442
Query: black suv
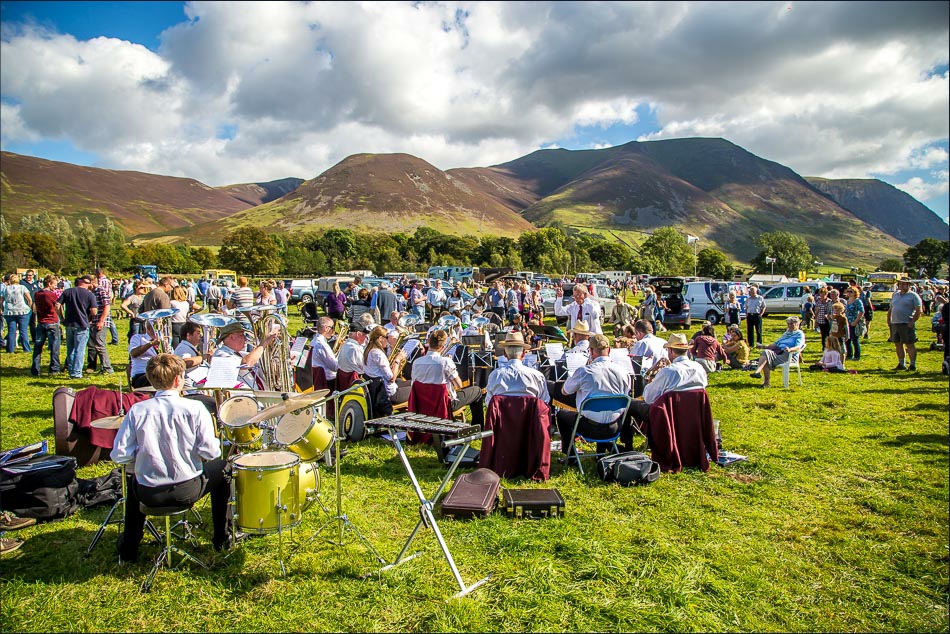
x=670, y=289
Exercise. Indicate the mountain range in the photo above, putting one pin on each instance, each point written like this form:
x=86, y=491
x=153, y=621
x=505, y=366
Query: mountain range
x=707, y=187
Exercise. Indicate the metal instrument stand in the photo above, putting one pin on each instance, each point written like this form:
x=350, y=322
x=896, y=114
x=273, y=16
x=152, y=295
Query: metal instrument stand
x=427, y=505
x=342, y=518
x=121, y=519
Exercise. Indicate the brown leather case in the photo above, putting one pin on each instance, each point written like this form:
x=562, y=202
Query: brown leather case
x=472, y=495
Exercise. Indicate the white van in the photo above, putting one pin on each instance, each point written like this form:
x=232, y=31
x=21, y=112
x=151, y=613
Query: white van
x=707, y=299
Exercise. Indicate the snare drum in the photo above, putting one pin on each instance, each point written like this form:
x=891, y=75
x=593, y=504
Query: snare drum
x=258, y=478
x=233, y=415
x=305, y=433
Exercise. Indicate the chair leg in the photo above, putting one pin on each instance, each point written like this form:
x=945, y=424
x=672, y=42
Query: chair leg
x=572, y=445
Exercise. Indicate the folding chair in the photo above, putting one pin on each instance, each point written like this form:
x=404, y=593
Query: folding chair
x=594, y=406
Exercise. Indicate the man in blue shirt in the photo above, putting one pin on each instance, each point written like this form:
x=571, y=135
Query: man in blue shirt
x=790, y=344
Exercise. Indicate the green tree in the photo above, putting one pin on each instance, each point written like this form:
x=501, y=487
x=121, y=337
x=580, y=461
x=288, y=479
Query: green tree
x=611, y=256
x=791, y=253
x=250, y=250
x=339, y=247
x=929, y=254
x=714, y=263
x=667, y=253
x=166, y=257
x=548, y=242
x=23, y=250
x=205, y=257
x=891, y=264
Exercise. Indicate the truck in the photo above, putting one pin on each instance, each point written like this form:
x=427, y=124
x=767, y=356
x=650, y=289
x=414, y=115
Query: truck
x=148, y=270
x=883, y=285
x=453, y=274
x=221, y=275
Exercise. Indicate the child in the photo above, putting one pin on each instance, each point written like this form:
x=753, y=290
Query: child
x=831, y=359
x=839, y=323
x=808, y=313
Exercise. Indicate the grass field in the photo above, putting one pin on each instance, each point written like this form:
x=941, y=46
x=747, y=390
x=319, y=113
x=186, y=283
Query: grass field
x=837, y=522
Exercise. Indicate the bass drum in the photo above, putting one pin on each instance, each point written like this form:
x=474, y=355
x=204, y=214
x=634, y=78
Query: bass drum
x=267, y=495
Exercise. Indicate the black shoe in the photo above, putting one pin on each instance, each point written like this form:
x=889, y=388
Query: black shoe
x=126, y=557
x=756, y=375
x=912, y=367
x=900, y=366
x=223, y=545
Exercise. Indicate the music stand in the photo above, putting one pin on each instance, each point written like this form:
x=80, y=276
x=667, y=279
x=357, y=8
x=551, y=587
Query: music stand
x=341, y=517
x=427, y=518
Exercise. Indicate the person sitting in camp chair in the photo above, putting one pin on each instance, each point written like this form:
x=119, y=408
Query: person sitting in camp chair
x=788, y=346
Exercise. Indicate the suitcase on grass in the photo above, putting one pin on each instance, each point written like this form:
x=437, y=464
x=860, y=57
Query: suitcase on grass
x=472, y=494
x=532, y=503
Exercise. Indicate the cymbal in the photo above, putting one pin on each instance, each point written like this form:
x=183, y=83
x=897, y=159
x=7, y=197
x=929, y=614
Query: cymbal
x=288, y=405
x=147, y=388
x=109, y=422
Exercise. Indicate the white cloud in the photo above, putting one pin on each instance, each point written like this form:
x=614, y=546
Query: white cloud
x=827, y=88
x=927, y=190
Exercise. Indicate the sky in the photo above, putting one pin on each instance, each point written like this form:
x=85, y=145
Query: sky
x=236, y=92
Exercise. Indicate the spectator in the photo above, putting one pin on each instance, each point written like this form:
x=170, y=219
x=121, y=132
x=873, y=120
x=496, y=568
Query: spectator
x=839, y=324
x=707, y=350
x=823, y=314
x=79, y=306
x=732, y=309
x=282, y=295
x=335, y=302
x=17, y=307
x=808, y=313
x=736, y=348
x=831, y=358
x=792, y=341
x=902, y=316
x=179, y=302
x=754, y=310
x=854, y=313
x=132, y=306
x=46, y=308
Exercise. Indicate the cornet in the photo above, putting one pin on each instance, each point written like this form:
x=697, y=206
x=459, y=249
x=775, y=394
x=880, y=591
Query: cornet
x=160, y=319
x=341, y=329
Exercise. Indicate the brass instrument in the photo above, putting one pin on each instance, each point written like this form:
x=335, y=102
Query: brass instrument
x=448, y=323
x=210, y=322
x=162, y=326
x=405, y=326
x=341, y=330
x=276, y=371
x=650, y=374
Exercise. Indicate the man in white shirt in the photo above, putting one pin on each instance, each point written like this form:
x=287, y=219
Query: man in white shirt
x=187, y=348
x=435, y=299
x=232, y=342
x=649, y=348
x=583, y=309
x=350, y=358
x=174, y=456
x=514, y=379
x=321, y=354
x=435, y=369
x=681, y=375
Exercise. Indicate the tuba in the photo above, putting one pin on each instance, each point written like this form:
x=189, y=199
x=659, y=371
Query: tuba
x=160, y=319
x=275, y=365
x=210, y=322
x=448, y=323
x=405, y=325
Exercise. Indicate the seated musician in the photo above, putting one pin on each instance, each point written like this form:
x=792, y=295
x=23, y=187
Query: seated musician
x=232, y=341
x=648, y=348
x=377, y=367
x=321, y=354
x=581, y=335
x=350, y=358
x=142, y=348
x=187, y=348
x=393, y=324
x=513, y=378
x=600, y=376
x=435, y=369
x=173, y=455
x=674, y=373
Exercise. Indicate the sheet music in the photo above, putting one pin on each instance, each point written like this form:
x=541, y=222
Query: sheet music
x=574, y=361
x=530, y=360
x=296, y=350
x=223, y=372
x=621, y=357
x=302, y=360
x=410, y=347
x=197, y=374
x=555, y=352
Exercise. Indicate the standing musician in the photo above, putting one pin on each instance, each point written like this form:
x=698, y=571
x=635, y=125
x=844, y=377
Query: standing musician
x=321, y=354
x=435, y=369
x=514, y=378
x=232, y=342
x=173, y=455
x=678, y=374
x=382, y=372
x=600, y=376
x=583, y=309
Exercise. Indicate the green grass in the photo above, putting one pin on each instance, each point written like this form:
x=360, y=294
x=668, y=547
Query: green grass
x=838, y=522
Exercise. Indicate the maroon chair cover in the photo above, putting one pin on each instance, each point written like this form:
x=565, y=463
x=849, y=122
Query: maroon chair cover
x=94, y=403
x=345, y=380
x=320, y=379
x=431, y=399
x=521, y=442
x=681, y=431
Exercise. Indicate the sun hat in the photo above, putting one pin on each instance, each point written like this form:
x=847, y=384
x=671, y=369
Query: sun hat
x=233, y=327
x=580, y=328
x=514, y=339
x=677, y=341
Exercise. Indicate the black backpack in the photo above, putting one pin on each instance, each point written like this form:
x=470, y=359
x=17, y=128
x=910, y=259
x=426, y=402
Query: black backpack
x=46, y=488
x=628, y=468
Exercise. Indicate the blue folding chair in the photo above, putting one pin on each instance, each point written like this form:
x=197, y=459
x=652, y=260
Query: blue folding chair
x=595, y=407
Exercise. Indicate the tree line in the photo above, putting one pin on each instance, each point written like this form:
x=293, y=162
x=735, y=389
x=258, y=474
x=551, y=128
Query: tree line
x=48, y=241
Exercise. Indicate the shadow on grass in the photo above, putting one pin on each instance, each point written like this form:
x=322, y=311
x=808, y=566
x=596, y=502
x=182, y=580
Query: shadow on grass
x=914, y=439
x=32, y=413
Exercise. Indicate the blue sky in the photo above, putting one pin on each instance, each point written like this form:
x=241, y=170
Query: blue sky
x=237, y=92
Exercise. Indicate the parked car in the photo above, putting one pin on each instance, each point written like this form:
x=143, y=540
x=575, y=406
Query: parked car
x=788, y=298
x=301, y=290
x=670, y=289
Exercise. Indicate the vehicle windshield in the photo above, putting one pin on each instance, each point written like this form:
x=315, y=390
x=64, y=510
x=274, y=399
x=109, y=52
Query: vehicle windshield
x=883, y=288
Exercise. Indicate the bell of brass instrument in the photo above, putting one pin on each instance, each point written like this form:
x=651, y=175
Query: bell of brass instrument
x=275, y=364
x=341, y=330
x=161, y=320
x=210, y=323
x=405, y=327
x=650, y=374
x=449, y=323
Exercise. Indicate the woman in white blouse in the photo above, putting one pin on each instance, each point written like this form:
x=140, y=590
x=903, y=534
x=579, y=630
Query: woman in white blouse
x=376, y=365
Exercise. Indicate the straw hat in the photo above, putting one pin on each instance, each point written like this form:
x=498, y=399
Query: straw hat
x=678, y=341
x=580, y=328
x=515, y=339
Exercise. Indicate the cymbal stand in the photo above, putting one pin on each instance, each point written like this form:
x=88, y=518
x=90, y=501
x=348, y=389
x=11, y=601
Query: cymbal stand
x=121, y=519
x=427, y=518
x=341, y=518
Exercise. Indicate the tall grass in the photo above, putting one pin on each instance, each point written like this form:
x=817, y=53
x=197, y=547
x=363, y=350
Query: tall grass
x=837, y=522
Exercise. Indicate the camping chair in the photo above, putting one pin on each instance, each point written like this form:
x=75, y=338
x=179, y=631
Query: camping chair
x=520, y=444
x=595, y=406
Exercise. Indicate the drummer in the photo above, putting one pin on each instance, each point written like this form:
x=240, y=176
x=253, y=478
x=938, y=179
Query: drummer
x=174, y=455
x=232, y=342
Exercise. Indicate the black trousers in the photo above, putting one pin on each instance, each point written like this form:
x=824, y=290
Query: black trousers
x=753, y=328
x=471, y=396
x=213, y=481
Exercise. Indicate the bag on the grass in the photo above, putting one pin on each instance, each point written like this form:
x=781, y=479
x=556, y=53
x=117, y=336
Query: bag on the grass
x=105, y=489
x=631, y=467
x=43, y=488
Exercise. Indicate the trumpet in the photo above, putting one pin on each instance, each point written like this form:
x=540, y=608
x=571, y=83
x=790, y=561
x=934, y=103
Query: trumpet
x=161, y=322
x=650, y=374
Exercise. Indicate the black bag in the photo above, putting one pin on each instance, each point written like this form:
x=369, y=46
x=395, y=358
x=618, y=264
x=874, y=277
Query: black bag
x=106, y=489
x=43, y=488
x=473, y=494
x=628, y=468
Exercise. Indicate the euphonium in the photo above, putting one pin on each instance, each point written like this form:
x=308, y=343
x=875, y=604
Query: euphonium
x=405, y=326
x=650, y=374
x=342, y=330
x=161, y=325
x=275, y=362
x=448, y=323
x=210, y=322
